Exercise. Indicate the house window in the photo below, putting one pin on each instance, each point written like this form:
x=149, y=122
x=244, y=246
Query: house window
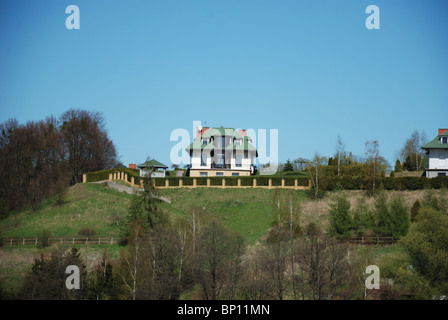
x=238, y=161
x=203, y=160
x=219, y=174
x=442, y=162
x=204, y=142
x=444, y=139
x=203, y=174
x=238, y=142
x=235, y=174
x=441, y=174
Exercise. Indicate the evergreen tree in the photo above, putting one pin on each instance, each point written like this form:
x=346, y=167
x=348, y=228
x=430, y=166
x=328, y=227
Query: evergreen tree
x=414, y=210
x=341, y=222
x=288, y=166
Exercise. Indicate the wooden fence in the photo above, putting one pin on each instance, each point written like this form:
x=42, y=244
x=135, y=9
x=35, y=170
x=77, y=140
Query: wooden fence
x=11, y=241
x=372, y=240
x=179, y=183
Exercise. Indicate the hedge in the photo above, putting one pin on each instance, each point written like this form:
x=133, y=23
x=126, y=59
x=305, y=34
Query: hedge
x=332, y=183
x=388, y=183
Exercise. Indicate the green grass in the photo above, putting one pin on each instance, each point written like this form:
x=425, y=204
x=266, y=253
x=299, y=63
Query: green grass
x=246, y=211
x=15, y=261
x=86, y=206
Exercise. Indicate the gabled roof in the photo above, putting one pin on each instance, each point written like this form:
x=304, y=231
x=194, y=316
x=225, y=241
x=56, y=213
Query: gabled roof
x=221, y=131
x=152, y=163
x=436, y=143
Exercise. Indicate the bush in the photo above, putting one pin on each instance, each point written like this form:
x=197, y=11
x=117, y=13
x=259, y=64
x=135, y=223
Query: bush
x=341, y=222
x=87, y=232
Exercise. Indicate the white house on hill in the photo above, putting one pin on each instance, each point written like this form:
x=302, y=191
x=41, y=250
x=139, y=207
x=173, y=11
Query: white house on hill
x=437, y=151
x=221, y=152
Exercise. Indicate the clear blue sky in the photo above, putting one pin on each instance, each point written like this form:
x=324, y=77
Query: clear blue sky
x=310, y=69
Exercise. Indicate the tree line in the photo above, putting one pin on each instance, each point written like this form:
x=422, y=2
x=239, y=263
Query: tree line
x=42, y=158
x=370, y=168
x=196, y=257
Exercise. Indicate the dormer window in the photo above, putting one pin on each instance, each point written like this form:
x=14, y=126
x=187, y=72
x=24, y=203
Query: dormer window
x=204, y=142
x=238, y=142
x=445, y=140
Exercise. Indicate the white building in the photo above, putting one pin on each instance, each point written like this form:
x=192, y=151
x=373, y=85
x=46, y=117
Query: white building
x=158, y=169
x=221, y=152
x=437, y=151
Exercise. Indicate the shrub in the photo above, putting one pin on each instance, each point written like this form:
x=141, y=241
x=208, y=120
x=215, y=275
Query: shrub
x=341, y=222
x=414, y=210
x=87, y=232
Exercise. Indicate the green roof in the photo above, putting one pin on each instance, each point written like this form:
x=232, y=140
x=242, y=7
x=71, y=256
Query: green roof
x=153, y=163
x=436, y=143
x=221, y=131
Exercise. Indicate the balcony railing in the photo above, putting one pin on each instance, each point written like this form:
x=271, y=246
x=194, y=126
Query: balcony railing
x=220, y=166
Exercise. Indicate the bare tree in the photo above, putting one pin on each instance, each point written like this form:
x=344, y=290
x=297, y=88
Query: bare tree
x=340, y=151
x=412, y=155
x=316, y=173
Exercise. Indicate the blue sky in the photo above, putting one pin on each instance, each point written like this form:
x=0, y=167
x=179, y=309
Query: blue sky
x=309, y=68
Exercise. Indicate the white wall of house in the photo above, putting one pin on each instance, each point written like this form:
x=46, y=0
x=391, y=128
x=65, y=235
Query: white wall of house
x=155, y=174
x=438, y=159
x=196, y=162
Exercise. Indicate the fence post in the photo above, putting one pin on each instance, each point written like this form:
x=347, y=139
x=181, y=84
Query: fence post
x=36, y=242
x=194, y=182
x=254, y=182
x=296, y=183
x=167, y=183
x=141, y=184
x=223, y=182
x=84, y=178
x=132, y=181
x=181, y=183
x=208, y=182
x=283, y=183
x=239, y=182
x=270, y=183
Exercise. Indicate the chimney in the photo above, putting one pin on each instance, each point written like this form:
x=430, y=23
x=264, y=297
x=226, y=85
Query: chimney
x=200, y=131
x=132, y=166
x=243, y=132
x=442, y=131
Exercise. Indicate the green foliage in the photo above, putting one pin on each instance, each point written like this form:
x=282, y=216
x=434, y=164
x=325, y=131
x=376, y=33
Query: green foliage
x=363, y=218
x=392, y=219
x=341, y=222
x=427, y=246
x=288, y=166
x=104, y=174
x=101, y=282
x=46, y=279
x=398, y=166
x=414, y=210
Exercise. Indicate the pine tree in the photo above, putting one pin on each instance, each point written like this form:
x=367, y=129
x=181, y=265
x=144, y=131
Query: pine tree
x=341, y=221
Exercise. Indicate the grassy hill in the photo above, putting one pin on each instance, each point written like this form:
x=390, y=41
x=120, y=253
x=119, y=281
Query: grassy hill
x=91, y=206
x=97, y=207
x=94, y=206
